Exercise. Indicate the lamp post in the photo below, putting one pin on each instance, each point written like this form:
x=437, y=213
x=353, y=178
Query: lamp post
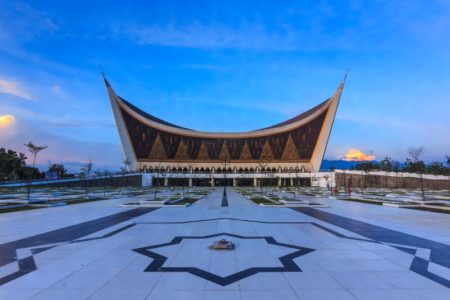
x=225, y=179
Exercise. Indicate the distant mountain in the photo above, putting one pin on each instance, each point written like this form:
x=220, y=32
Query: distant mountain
x=337, y=164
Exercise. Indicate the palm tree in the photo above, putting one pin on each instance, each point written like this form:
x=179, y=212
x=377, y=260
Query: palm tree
x=33, y=150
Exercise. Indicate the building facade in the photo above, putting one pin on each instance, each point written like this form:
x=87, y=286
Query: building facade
x=295, y=145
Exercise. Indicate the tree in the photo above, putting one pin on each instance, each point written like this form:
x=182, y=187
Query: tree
x=86, y=173
x=396, y=168
x=436, y=168
x=367, y=166
x=416, y=164
x=365, y=170
x=59, y=169
x=33, y=150
x=386, y=165
x=105, y=174
x=10, y=162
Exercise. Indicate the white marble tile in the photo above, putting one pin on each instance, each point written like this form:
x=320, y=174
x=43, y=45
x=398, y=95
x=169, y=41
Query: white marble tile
x=324, y=294
x=312, y=280
x=265, y=281
x=222, y=295
x=66, y=294
x=18, y=293
x=268, y=295
x=37, y=280
x=339, y=268
x=111, y=293
x=407, y=279
x=427, y=294
x=376, y=294
x=176, y=295
x=180, y=281
x=84, y=280
x=360, y=280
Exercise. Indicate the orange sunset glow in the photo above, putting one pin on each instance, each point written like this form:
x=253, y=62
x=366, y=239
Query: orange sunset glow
x=7, y=120
x=358, y=155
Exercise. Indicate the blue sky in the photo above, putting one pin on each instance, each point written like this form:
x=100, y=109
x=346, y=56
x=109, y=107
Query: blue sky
x=225, y=66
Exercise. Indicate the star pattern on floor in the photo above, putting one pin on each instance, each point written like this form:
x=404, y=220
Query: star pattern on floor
x=159, y=261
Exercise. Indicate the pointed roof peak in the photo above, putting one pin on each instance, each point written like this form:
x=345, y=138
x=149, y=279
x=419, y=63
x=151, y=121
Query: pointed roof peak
x=104, y=77
x=345, y=78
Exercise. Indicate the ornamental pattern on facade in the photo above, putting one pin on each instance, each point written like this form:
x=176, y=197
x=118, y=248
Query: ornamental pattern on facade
x=151, y=144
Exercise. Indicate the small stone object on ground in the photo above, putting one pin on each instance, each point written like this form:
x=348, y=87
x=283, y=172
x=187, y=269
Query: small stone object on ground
x=223, y=244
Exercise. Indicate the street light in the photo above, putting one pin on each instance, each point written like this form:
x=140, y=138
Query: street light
x=225, y=178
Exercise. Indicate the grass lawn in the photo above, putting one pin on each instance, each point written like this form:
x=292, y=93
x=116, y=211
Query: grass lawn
x=435, y=210
x=262, y=200
x=185, y=200
x=362, y=201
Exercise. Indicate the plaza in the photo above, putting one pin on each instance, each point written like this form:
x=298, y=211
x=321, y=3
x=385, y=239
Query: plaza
x=108, y=250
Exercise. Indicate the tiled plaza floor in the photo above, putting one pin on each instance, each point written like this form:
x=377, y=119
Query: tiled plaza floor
x=100, y=250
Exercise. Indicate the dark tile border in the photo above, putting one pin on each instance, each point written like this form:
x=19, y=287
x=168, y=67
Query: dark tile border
x=440, y=253
x=224, y=198
x=45, y=241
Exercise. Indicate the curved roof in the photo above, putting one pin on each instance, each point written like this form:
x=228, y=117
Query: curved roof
x=170, y=127
x=146, y=138
x=278, y=125
x=160, y=124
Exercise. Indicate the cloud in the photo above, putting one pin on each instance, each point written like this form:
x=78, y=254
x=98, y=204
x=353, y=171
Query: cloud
x=358, y=155
x=7, y=121
x=14, y=88
x=7, y=127
x=198, y=35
